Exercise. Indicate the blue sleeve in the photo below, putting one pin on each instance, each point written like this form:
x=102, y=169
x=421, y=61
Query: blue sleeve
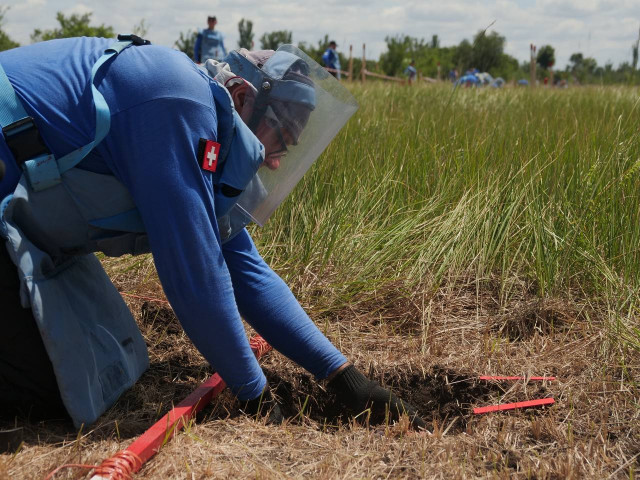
x=269, y=306
x=325, y=58
x=196, y=48
x=152, y=149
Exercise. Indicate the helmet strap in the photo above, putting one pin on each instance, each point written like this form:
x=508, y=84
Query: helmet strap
x=260, y=106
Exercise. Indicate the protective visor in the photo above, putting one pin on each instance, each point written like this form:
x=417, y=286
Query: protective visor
x=299, y=109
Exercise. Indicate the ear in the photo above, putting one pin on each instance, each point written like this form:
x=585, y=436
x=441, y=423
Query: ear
x=242, y=97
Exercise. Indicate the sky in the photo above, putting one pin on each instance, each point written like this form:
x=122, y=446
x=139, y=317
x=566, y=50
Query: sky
x=603, y=29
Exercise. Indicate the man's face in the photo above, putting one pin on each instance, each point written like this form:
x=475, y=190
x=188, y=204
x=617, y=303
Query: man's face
x=212, y=23
x=275, y=139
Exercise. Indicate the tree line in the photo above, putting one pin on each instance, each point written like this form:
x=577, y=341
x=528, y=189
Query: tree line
x=485, y=52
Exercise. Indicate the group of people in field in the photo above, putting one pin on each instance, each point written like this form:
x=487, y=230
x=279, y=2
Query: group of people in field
x=209, y=45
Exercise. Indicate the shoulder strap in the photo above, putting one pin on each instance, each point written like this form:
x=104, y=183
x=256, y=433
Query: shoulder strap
x=103, y=115
x=11, y=110
x=44, y=171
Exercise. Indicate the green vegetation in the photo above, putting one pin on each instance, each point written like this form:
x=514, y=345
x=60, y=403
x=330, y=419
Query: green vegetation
x=186, y=42
x=272, y=40
x=245, y=31
x=546, y=57
x=5, y=42
x=73, y=26
x=536, y=186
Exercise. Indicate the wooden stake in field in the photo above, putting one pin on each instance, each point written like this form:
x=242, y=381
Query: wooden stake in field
x=351, y=62
x=363, y=70
x=532, y=65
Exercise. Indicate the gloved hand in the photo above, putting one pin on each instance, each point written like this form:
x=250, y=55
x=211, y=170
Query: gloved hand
x=357, y=392
x=265, y=405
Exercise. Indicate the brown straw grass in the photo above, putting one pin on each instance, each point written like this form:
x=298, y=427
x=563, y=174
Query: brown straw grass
x=429, y=346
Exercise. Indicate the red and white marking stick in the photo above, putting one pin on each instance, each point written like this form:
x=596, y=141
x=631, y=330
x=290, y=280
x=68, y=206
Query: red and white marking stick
x=130, y=460
x=512, y=406
x=498, y=377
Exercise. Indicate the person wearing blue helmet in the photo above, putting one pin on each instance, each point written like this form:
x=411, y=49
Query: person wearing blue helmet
x=112, y=157
x=411, y=72
x=331, y=59
x=209, y=43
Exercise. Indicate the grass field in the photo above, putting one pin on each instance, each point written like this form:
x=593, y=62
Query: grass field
x=441, y=236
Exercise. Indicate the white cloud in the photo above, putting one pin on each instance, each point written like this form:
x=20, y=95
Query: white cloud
x=604, y=29
x=78, y=9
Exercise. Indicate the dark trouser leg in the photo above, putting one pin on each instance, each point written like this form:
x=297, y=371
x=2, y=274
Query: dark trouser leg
x=27, y=383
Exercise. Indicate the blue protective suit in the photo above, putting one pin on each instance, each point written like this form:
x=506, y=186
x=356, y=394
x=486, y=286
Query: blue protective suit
x=331, y=59
x=209, y=45
x=411, y=72
x=161, y=105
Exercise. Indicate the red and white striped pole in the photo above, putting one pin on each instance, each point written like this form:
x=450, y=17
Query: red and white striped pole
x=128, y=461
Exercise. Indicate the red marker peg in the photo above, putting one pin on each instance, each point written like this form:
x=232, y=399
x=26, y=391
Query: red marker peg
x=498, y=377
x=512, y=406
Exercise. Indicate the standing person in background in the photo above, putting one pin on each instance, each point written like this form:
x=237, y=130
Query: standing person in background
x=209, y=43
x=411, y=72
x=332, y=60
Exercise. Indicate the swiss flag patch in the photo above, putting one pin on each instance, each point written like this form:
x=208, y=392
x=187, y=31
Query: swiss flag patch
x=209, y=151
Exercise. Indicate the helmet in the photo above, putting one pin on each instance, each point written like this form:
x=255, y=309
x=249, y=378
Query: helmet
x=303, y=104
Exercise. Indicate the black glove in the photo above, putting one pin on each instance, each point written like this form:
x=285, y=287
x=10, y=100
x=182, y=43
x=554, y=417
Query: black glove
x=358, y=393
x=264, y=405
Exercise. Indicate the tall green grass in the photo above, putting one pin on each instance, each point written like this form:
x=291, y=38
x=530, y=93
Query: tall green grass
x=515, y=184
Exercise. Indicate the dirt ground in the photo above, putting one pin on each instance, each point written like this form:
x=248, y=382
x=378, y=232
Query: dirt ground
x=430, y=347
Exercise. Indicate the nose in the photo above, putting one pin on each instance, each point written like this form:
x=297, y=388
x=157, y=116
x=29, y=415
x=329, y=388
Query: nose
x=272, y=162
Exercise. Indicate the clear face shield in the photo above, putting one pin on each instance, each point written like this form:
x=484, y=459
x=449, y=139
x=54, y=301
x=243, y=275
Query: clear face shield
x=299, y=108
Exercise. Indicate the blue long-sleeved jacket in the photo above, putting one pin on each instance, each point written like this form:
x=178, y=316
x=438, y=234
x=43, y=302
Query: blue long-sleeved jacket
x=209, y=45
x=161, y=106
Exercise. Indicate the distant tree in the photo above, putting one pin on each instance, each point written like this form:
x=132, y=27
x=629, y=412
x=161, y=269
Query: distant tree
x=487, y=50
x=272, y=40
x=5, y=42
x=463, y=56
x=576, y=60
x=186, y=42
x=582, y=68
x=546, y=57
x=435, y=42
x=400, y=50
x=73, y=26
x=589, y=65
x=316, y=52
x=141, y=28
x=245, y=29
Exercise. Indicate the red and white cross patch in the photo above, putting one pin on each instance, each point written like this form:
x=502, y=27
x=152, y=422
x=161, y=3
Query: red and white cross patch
x=210, y=155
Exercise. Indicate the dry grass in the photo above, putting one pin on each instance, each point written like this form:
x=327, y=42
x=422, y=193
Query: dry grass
x=428, y=345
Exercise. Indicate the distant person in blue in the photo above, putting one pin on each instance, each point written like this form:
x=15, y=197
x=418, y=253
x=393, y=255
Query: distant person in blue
x=104, y=154
x=209, y=43
x=331, y=59
x=411, y=72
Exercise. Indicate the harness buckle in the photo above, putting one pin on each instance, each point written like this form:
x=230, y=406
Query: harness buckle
x=134, y=39
x=24, y=140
